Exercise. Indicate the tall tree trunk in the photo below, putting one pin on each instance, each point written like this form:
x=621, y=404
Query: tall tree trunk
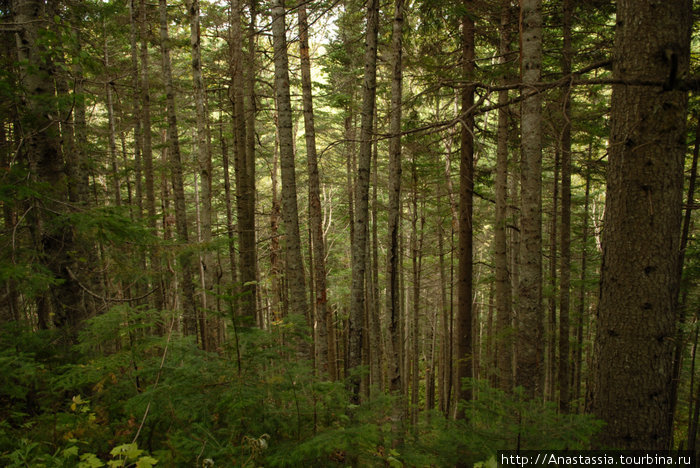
x=451, y=367
x=185, y=260
x=81, y=175
x=279, y=298
x=168, y=281
x=513, y=239
x=359, y=247
x=565, y=265
x=693, y=398
x=133, y=38
x=230, y=229
x=294, y=267
x=250, y=186
x=324, y=349
x=680, y=342
x=66, y=138
x=416, y=260
x=489, y=361
x=112, y=130
x=350, y=167
x=147, y=148
x=372, y=302
x=578, y=358
x=640, y=275
x=695, y=419
x=445, y=339
x=530, y=355
x=9, y=304
x=245, y=187
x=210, y=332
x=393, y=306
x=551, y=377
x=61, y=302
x=376, y=339
x=504, y=315
x=466, y=176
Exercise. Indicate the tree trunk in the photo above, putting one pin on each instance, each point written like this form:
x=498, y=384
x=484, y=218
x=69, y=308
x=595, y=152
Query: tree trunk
x=351, y=168
x=464, y=349
x=324, y=349
x=245, y=186
x=578, y=359
x=416, y=261
x=112, y=130
x=372, y=302
x=680, y=343
x=279, y=299
x=444, y=380
x=489, y=361
x=9, y=304
x=61, y=302
x=250, y=186
x=530, y=356
x=694, y=398
x=359, y=247
x=133, y=37
x=66, y=139
x=205, y=172
x=185, y=260
x=504, y=315
x=640, y=275
x=230, y=229
x=294, y=267
x=551, y=377
x=565, y=265
x=393, y=306
x=147, y=148
x=376, y=339
x=80, y=178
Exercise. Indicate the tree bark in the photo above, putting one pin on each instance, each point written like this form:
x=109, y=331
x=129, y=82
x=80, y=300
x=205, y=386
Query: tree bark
x=279, y=298
x=133, y=38
x=565, y=259
x=551, y=375
x=9, y=304
x=230, y=228
x=393, y=306
x=80, y=177
x=60, y=304
x=250, y=186
x=377, y=372
x=464, y=351
x=190, y=315
x=530, y=355
x=416, y=261
x=147, y=148
x=680, y=341
x=578, y=359
x=112, y=130
x=504, y=315
x=359, y=247
x=205, y=172
x=325, y=360
x=245, y=187
x=294, y=267
x=640, y=276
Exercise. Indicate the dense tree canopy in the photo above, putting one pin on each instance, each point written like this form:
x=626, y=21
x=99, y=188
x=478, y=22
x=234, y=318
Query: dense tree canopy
x=346, y=233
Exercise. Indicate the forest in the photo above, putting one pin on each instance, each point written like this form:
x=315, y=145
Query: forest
x=407, y=233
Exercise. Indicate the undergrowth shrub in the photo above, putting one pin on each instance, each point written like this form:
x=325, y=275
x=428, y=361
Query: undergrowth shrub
x=130, y=384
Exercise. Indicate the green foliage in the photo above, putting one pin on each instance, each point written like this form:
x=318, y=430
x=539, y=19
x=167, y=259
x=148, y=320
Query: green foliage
x=198, y=405
x=498, y=421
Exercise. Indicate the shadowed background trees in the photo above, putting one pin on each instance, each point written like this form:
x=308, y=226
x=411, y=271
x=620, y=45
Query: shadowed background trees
x=346, y=232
